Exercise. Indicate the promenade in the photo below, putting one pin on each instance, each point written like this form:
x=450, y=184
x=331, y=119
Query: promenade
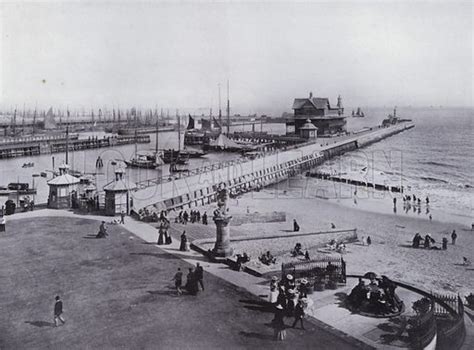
x=124, y=285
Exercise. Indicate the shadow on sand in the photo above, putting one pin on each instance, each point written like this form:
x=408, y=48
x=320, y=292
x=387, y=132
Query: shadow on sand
x=41, y=323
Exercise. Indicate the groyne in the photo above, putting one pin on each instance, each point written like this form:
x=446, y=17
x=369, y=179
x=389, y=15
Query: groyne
x=246, y=175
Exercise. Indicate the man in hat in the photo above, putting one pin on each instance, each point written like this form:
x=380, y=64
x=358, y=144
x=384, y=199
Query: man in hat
x=58, y=311
x=122, y=217
x=299, y=313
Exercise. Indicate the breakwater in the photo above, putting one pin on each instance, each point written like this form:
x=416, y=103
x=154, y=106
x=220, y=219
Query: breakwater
x=45, y=145
x=200, y=188
x=338, y=178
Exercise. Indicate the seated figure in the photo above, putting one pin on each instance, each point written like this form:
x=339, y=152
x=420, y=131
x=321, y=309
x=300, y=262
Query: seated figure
x=358, y=294
x=267, y=258
x=297, y=250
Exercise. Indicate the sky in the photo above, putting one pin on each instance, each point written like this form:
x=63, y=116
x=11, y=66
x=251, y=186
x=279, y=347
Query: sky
x=174, y=54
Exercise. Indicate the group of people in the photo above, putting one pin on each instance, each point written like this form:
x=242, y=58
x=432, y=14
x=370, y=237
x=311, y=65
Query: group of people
x=376, y=297
x=429, y=242
x=163, y=235
x=194, y=216
x=411, y=201
x=298, y=251
x=267, y=258
x=287, y=300
x=194, y=280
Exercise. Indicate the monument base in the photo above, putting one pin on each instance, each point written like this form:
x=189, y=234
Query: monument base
x=222, y=247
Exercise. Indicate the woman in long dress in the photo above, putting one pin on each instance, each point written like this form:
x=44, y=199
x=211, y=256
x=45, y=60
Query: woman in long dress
x=184, y=240
x=161, y=236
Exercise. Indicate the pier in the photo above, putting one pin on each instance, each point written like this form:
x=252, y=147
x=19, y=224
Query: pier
x=198, y=187
x=36, y=145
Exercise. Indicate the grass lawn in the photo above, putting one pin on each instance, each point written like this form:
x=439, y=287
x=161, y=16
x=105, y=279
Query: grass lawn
x=117, y=293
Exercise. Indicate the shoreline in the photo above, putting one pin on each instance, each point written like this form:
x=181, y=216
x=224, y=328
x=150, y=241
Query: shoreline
x=390, y=253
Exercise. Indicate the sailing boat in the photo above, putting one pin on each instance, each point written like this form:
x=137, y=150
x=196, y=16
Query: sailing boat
x=173, y=157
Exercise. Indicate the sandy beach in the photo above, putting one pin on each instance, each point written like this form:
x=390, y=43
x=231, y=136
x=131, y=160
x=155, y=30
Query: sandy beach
x=390, y=253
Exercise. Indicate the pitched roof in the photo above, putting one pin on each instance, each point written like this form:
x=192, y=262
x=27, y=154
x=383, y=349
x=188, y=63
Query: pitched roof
x=64, y=179
x=317, y=102
x=120, y=185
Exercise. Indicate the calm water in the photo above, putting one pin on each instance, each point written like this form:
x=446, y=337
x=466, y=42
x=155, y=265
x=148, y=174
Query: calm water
x=434, y=159
x=11, y=169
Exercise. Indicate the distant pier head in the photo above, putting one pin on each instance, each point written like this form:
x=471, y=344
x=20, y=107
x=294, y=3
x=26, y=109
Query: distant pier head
x=200, y=185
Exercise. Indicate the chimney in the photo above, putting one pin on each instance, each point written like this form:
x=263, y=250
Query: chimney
x=310, y=95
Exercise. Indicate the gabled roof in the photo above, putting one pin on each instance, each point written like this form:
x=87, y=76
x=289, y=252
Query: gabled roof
x=317, y=102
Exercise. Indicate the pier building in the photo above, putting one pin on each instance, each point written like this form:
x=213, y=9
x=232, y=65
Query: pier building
x=117, y=199
x=329, y=120
x=62, y=189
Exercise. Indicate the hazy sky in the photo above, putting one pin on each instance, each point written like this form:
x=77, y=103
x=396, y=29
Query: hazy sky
x=173, y=55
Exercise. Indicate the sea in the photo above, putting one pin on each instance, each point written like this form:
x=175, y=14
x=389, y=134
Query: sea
x=434, y=159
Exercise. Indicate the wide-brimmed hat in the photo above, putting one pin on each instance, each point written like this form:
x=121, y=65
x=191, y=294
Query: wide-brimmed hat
x=304, y=281
x=289, y=277
x=274, y=278
x=279, y=307
x=291, y=291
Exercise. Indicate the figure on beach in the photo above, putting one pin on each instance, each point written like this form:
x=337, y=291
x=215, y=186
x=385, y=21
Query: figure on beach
x=416, y=240
x=161, y=235
x=102, y=231
x=454, y=236
x=296, y=227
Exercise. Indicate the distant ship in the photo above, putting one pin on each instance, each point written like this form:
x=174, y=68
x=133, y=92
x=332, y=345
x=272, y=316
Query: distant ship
x=358, y=114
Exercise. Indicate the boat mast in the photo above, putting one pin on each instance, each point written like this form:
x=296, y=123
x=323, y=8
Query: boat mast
x=220, y=110
x=67, y=137
x=156, y=138
x=179, y=131
x=228, y=109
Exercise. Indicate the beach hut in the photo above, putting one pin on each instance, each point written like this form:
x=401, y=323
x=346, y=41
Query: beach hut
x=117, y=194
x=62, y=189
x=309, y=131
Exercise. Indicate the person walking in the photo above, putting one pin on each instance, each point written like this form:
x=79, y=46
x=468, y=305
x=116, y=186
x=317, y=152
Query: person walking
x=161, y=235
x=184, y=240
x=454, y=235
x=299, y=313
x=122, y=217
x=58, y=311
x=199, y=275
x=279, y=323
x=178, y=281
x=204, y=218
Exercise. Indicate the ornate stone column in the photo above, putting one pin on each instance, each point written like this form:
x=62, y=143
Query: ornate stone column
x=222, y=247
x=222, y=219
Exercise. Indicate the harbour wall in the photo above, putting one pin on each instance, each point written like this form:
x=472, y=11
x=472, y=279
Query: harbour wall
x=45, y=145
x=271, y=168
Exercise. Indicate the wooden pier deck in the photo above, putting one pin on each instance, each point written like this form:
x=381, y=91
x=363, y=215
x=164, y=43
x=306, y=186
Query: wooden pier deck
x=199, y=186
